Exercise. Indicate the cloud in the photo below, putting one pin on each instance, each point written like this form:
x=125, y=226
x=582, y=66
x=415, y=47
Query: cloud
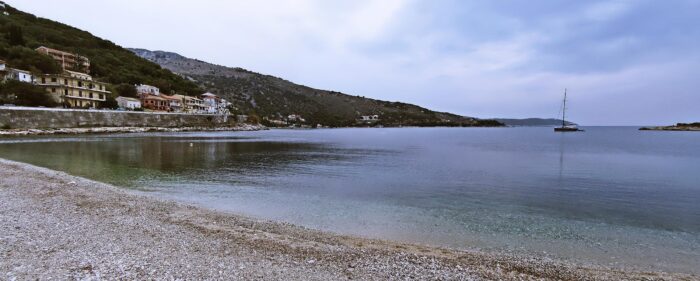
x=507, y=58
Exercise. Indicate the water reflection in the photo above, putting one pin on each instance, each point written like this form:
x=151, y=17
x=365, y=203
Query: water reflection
x=127, y=161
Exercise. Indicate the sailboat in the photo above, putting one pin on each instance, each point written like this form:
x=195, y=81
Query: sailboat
x=564, y=127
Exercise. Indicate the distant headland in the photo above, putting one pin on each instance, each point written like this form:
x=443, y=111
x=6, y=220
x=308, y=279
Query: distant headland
x=533, y=122
x=678, y=127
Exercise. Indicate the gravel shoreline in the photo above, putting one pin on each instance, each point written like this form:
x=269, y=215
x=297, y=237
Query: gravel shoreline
x=112, y=130
x=57, y=226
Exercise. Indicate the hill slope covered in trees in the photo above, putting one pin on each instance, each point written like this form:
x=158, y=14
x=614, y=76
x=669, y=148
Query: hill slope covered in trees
x=22, y=33
x=276, y=98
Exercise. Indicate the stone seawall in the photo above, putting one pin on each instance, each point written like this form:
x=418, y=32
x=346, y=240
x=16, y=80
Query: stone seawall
x=50, y=118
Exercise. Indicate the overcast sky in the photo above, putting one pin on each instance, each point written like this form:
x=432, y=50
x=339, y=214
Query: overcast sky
x=624, y=62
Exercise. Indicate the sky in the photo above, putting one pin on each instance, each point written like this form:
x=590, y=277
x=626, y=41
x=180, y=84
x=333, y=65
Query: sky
x=624, y=62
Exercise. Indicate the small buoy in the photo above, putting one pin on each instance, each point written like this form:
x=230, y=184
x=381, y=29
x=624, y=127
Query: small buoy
x=191, y=144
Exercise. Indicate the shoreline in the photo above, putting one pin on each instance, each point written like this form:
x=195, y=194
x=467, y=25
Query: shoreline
x=683, y=127
x=66, y=227
x=112, y=130
x=671, y=128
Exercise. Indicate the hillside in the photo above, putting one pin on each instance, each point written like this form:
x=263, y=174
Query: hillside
x=22, y=33
x=532, y=122
x=275, y=98
x=269, y=97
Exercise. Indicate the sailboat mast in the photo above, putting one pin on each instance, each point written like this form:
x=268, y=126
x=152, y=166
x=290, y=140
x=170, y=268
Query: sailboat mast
x=563, y=115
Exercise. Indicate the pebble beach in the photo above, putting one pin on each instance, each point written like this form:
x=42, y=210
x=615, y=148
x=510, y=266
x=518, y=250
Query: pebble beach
x=57, y=226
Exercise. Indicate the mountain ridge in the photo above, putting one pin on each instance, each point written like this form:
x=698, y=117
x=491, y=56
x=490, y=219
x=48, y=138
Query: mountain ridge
x=274, y=98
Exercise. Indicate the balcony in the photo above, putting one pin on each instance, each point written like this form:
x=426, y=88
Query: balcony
x=75, y=86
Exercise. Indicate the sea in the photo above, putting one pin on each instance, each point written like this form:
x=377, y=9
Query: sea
x=611, y=196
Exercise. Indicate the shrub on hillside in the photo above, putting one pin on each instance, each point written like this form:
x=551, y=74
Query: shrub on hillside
x=28, y=59
x=25, y=94
x=125, y=90
x=110, y=103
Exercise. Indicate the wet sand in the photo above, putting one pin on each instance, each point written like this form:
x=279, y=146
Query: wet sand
x=57, y=226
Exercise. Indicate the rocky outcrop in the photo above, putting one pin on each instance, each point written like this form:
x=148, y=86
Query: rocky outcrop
x=678, y=127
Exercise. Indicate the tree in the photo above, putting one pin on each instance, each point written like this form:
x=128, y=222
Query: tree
x=110, y=103
x=28, y=59
x=25, y=94
x=253, y=119
x=80, y=64
x=15, y=36
x=126, y=90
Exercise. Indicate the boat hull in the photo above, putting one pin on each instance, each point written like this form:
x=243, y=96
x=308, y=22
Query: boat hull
x=566, y=129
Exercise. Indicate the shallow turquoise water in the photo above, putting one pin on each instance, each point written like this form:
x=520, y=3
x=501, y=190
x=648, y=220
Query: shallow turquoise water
x=611, y=195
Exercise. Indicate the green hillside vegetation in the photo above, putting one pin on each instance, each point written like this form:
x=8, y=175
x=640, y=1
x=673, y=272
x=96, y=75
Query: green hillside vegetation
x=274, y=98
x=23, y=33
x=24, y=94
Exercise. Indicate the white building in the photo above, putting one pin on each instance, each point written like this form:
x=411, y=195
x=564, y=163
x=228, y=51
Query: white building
x=211, y=103
x=295, y=118
x=370, y=117
x=223, y=106
x=128, y=103
x=214, y=104
x=19, y=75
x=241, y=118
x=147, y=89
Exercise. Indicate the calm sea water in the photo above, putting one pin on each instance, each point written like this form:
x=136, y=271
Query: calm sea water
x=612, y=195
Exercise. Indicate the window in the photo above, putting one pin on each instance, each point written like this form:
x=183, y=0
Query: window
x=80, y=83
x=65, y=81
x=43, y=80
x=80, y=94
x=102, y=96
x=90, y=95
x=53, y=90
x=65, y=92
x=53, y=79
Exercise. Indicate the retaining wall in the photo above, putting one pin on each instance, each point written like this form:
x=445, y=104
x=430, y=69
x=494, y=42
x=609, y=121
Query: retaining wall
x=50, y=118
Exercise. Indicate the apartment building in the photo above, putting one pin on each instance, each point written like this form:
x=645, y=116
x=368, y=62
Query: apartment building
x=214, y=104
x=210, y=102
x=174, y=103
x=155, y=103
x=191, y=105
x=75, y=89
x=68, y=61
